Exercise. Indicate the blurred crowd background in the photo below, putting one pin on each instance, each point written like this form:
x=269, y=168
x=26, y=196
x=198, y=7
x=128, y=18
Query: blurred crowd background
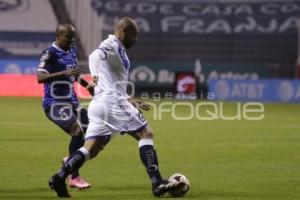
x=216, y=49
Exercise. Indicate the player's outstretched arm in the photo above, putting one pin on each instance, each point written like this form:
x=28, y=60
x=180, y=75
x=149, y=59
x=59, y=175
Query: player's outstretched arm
x=139, y=104
x=89, y=86
x=44, y=77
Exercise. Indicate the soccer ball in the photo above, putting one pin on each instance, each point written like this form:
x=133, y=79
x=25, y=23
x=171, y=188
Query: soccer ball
x=177, y=177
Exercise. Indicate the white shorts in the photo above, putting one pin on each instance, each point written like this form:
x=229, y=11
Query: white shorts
x=108, y=117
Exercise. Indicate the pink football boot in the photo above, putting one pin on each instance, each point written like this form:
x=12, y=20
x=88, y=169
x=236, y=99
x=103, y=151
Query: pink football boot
x=77, y=182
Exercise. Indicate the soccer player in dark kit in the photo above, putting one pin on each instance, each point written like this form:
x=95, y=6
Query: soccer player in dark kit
x=58, y=70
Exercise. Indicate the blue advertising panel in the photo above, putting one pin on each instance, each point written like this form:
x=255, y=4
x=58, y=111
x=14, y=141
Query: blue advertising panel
x=18, y=66
x=273, y=90
x=24, y=45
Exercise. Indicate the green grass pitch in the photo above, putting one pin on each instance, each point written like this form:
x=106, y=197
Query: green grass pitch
x=223, y=159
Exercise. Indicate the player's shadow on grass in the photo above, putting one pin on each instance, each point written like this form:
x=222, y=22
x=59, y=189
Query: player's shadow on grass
x=123, y=188
x=31, y=140
x=235, y=194
x=38, y=193
x=117, y=192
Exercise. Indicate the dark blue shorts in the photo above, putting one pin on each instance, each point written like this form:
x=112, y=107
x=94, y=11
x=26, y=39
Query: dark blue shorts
x=65, y=114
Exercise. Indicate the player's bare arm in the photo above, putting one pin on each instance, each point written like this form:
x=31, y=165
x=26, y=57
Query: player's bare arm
x=139, y=104
x=44, y=77
x=89, y=86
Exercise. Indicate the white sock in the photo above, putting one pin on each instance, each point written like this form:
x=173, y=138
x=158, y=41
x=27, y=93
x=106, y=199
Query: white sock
x=146, y=141
x=85, y=152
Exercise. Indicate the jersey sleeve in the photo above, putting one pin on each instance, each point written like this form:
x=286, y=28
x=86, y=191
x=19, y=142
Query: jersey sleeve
x=94, y=60
x=45, y=62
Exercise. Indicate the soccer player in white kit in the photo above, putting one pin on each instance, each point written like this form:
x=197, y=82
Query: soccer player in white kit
x=111, y=111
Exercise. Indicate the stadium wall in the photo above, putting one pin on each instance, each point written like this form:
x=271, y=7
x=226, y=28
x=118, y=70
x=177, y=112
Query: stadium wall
x=87, y=23
x=26, y=27
x=224, y=39
x=218, y=45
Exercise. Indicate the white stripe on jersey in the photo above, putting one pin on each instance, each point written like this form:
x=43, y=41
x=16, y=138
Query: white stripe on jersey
x=42, y=70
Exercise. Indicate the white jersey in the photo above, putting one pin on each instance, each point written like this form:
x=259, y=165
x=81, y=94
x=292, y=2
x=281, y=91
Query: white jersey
x=110, y=64
x=109, y=112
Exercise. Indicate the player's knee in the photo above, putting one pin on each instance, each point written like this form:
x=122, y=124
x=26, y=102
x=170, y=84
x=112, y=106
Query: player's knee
x=147, y=134
x=75, y=130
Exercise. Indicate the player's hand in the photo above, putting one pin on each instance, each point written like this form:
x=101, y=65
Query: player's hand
x=73, y=72
x=91, y=88
x=139, y=104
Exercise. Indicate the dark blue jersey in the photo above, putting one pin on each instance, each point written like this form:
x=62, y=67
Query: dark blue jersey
x=54, y=59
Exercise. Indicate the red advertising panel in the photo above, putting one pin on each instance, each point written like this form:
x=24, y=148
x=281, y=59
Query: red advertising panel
x=186, y=85
x=27, y=85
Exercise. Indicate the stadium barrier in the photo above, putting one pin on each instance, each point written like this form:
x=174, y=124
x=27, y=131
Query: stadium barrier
x=20, y=85
x=262, y=90
x=27, y=86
